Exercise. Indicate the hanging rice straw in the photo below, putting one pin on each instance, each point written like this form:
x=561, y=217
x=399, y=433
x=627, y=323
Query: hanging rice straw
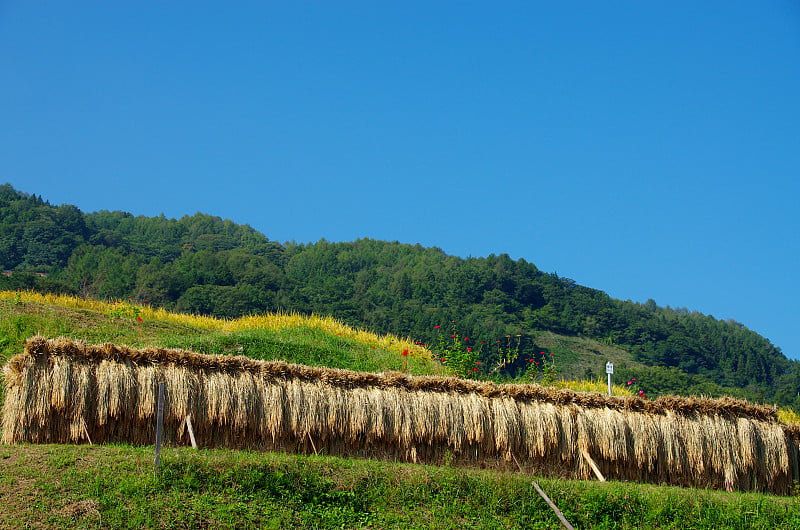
x=61, y=391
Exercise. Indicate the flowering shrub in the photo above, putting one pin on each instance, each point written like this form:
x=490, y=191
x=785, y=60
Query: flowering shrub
x=462, y=354
x=509, y=354
x=122, y=308
x=542, y=368
x=456, y=352
x=631, y=384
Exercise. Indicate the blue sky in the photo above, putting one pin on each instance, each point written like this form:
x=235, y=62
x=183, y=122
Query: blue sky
x=647, y=149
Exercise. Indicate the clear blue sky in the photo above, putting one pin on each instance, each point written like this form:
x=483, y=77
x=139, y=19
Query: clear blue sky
x=649, y=149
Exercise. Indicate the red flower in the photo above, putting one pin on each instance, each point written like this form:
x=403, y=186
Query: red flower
x=641, y=392
x=478, y=363
x=437, y=327
x=139, y=319
x=454, y=336
x=469, y=349
x=373, y=347
x=552, y=353
x=405, y=352
x=466, y=338
x=531, y=360
x=442, y=359
x=483, y=342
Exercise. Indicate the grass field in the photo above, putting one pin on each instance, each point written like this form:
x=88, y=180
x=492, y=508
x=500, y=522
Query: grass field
x=115, y=486
x=64, y=486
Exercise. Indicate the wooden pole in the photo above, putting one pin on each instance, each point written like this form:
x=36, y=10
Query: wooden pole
x=547, y=499
x=594, y=467
x=191, y=430
x=85, y=430
x=159, y=424
x=553, y=506
x=314, y=447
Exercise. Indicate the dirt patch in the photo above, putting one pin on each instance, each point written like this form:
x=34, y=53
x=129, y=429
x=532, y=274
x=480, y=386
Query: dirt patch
x=73, y=510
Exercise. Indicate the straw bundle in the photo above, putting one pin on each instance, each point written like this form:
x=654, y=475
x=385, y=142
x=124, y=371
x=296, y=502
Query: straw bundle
x=58, y=388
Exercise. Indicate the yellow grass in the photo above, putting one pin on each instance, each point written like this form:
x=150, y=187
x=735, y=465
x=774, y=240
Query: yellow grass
x=592, y=385
x=788, y=416
x=271, y=321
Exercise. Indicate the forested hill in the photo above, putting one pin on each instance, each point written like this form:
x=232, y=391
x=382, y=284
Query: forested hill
x=204, y=264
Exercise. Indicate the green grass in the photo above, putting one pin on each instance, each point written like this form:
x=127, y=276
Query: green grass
x=69, y=486
x=298, y=345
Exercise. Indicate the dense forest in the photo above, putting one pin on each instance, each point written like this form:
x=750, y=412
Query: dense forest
x=207, y=265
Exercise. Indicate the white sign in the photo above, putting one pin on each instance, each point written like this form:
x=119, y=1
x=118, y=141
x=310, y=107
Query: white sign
x=609, y=368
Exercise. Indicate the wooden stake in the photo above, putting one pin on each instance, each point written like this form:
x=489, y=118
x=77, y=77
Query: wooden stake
x=553, y=506
x=517, y=462
x=314, y=447
x=594, y=467
x=547, y=499
x=191, y=430
x=159, y=424
x=85, y=430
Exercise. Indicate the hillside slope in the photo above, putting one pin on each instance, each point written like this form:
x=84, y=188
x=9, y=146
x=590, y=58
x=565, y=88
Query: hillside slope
x=206, y=265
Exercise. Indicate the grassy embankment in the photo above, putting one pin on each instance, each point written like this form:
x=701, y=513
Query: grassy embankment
x=83, y=486
x=315, y=340
x=64, y=486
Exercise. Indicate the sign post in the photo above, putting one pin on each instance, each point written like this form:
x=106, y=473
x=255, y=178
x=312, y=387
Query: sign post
x=609, y=371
